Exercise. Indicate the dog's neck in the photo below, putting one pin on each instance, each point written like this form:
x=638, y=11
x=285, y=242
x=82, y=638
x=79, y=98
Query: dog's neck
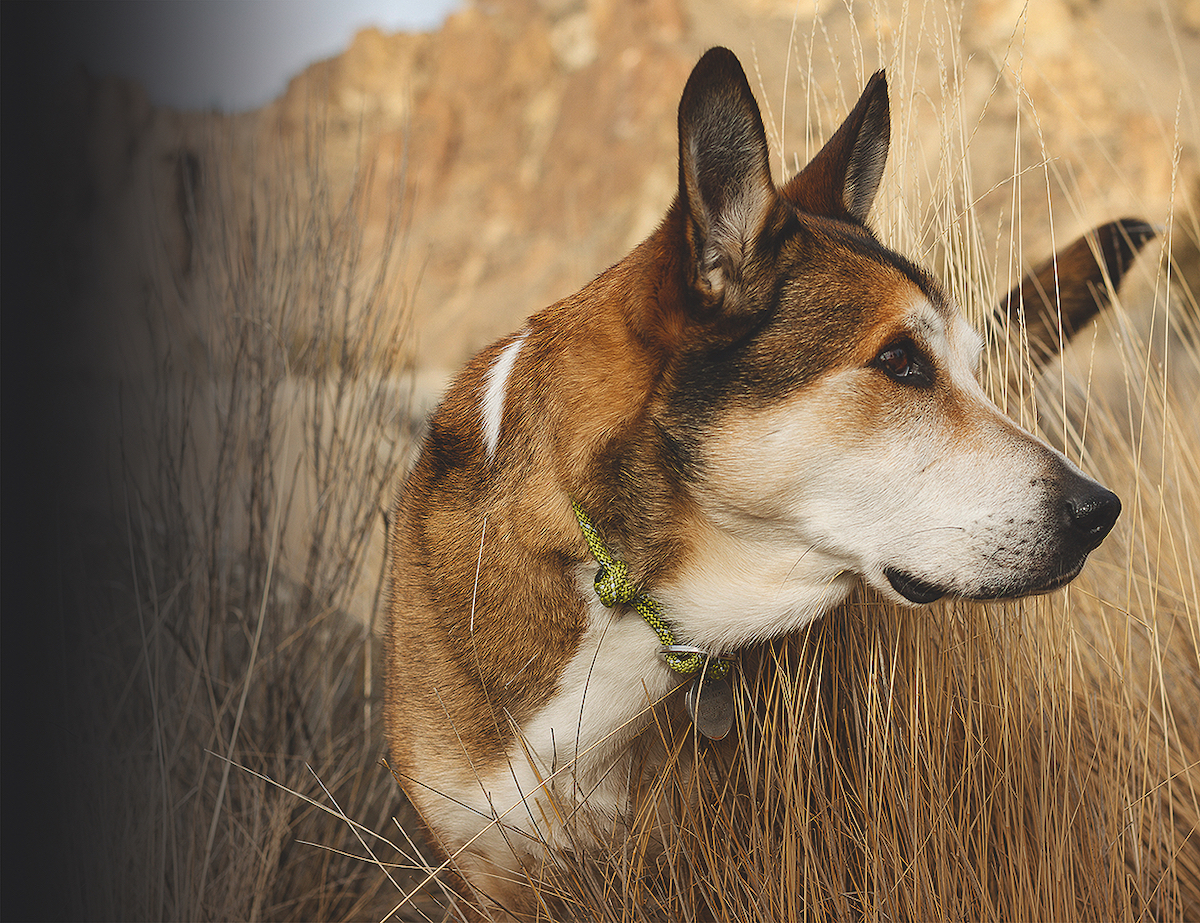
x=614, y=587
x=732, y=595
x=569, y=412
x=734, y=590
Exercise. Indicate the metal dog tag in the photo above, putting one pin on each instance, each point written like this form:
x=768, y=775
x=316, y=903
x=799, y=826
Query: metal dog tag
x=710, y=705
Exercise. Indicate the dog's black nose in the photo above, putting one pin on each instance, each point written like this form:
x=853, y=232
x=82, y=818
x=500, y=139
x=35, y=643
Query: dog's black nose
x=1091, y=514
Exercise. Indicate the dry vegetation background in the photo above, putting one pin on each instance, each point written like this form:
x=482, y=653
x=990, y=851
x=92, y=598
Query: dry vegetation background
x=248, y=317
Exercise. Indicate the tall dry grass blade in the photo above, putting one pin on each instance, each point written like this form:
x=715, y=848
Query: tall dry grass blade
x=263, y=425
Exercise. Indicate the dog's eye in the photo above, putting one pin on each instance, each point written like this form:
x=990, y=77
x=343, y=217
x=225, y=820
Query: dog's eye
x=895, y=361
x=904, y=363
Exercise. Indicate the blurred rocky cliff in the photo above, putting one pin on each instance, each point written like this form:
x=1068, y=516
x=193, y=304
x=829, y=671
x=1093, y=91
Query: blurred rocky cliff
x=528, y=144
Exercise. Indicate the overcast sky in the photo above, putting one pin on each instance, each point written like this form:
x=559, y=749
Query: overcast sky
x=231, y=54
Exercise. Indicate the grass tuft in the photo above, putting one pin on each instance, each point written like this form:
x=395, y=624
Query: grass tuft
x=236, y=682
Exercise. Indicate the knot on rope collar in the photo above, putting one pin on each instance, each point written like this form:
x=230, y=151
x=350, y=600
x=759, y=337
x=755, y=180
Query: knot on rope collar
x=614, y=588
x=613, y=585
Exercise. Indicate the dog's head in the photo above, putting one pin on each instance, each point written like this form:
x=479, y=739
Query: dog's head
x=822, y=408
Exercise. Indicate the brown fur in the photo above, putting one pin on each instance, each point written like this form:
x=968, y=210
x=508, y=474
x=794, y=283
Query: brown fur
x=1060, y=296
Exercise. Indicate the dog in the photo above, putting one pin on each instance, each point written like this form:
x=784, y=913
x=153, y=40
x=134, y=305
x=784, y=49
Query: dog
x=709, y=445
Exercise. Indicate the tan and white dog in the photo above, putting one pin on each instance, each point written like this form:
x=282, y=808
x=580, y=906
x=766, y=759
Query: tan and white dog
x=758, y=408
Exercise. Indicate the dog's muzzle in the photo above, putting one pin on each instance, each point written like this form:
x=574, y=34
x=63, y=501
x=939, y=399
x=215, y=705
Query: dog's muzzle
x=1087, y=513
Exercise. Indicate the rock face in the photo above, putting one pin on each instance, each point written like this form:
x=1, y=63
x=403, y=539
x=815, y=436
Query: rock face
x=534, y=142
x=536, y=145
x=539, y=140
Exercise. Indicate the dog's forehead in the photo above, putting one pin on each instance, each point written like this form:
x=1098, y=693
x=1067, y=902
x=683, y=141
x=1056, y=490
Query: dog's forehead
x=852, y=290
x=851, y=262
x=940, y=324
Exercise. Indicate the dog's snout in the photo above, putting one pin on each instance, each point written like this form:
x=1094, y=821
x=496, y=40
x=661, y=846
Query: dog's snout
x=1091, y=513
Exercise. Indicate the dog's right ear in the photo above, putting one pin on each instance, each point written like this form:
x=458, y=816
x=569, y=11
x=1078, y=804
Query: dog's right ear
x=841, y=181
x=724, y=178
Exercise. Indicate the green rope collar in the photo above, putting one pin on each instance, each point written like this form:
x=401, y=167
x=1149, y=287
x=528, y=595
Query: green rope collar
x=614, y=588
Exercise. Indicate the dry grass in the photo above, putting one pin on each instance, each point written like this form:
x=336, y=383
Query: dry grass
x=234, y=694
x=1032, y=760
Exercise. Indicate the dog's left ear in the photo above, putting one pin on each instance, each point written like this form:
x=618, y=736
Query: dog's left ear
x=724, y=177
x=1061, y=295
x=841, y=181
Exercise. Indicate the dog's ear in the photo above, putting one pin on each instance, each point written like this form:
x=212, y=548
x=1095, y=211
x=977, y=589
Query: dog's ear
x=724, y=175
x=1060, y=296
x=841, y=181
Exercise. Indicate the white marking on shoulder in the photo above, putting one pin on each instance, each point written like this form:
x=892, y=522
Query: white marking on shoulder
x=566, y=779
x=495, y=388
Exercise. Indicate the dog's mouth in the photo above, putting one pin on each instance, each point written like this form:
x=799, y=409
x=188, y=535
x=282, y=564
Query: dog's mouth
x=920, y=592
x=912, y=588
x=1038, y=587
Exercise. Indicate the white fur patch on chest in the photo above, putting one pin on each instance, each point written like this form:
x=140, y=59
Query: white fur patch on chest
x=565, y=781
x=491, y=408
